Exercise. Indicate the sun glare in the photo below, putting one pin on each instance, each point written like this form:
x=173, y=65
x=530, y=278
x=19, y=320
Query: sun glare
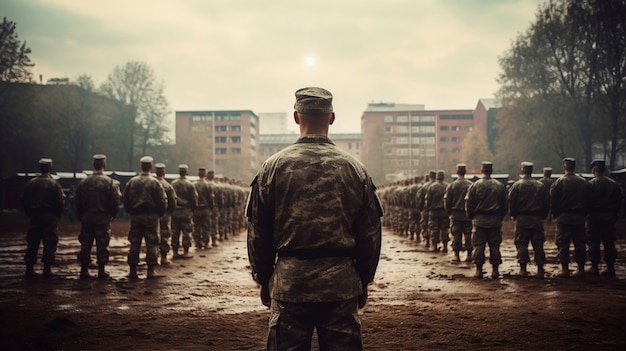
x=310, y=61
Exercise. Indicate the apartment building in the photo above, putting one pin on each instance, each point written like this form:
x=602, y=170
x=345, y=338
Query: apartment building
x=272, y=143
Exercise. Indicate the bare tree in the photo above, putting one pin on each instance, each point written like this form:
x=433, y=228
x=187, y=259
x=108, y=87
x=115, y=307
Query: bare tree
x=15, y=64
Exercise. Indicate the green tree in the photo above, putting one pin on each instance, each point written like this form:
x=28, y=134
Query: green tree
x=135, y=85
x=15, y=65
x=475, y=149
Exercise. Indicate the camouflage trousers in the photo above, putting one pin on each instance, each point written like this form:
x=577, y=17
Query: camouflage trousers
x=291, y=325
x=42, y=229
x=146, y=227
x=536, y=237
x=95, y=227
x=481, y=237
x=214, y=224
x=165, y=233
x=601, y=232
x=424, y=226
x=439, y=228
x=184, y=226
x=201, y=226
x=461, y=235
x=565, y=235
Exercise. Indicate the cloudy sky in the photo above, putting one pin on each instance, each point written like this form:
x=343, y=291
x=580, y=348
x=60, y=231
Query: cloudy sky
x=253, y=54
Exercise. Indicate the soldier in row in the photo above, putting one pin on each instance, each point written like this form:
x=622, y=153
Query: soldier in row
x=165, y=222
x=460, y=224
x=182, y=217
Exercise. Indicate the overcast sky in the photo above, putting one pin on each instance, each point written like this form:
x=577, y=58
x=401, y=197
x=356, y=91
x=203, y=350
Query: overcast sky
x=253, y=54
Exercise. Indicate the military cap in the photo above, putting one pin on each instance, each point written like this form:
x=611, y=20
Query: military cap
x=201, y=169
x=313, y=100
x=569, y=160
x=547, y=169
x=210, y=172
x=160, y=165
x=146, y=159
x=441, y=174
x=432, y=173
x=527, y=164
x=486, y=165
x=45, y=161
x=600, y=163
x=183, y=166
x=461, y=167
x=98, y=157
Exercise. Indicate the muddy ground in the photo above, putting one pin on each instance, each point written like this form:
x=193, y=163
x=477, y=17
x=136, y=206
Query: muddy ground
x=419, y=301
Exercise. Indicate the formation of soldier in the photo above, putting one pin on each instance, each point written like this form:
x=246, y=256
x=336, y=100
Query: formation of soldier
x=163, y=215
x=432, y=211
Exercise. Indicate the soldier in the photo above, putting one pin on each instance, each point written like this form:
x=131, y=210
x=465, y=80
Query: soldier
x=165, y=222
x=145, y=201
x=97, y=202
x=421, y=196
x=202, y=213
x=438, y=220
x=604, y=206
x=182, y=221
x=460, y=224
x=414, y=213
x=486, y=205
x=214, y=208
x=42, y=201
x=569, y=202
x=529, y=203
x=315, y=207
x=547, y=181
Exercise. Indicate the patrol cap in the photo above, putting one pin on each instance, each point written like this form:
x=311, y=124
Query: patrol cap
x=183, y=166
x=441, y=174
x=432, y=173
x=201, y=169
x=461, y=167
x=547, y=169
x=569, y=160
x=45, y=161
x=599, y=163
x=99, y=157
x=527, y=164
x=486, y=165
x=160, y=165
x=313, y=100
x=146, y=159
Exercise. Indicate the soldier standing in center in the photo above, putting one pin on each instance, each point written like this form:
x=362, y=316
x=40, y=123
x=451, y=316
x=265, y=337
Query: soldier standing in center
x=529, y=203
x=97, y=202
x=182, y=217
x=165, y=223
x=569, y=201
x=145, y=200
x=461, y=225
x=438, y=220
x=486, y=205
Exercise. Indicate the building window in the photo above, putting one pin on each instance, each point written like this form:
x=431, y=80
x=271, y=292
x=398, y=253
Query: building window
x=349, y=146
x=443, y=150
x=197, y=129
x=235, y=139
x=443, y=139
x=235, y=151
x=220, y=128
x=388, y=119
x=201, y=118
x=402, y=119
x=427, y=118
x=443, y=128
x=387, y=129
x=235, y=128
x=402, y=140
x=468, y=128
x=220, y=151
x=428, y=140
x=455, y=139
x=402, y=129
x=427, y=129
x=402, y=152
x=220, y=140
x=456, y=150
x=456, y=128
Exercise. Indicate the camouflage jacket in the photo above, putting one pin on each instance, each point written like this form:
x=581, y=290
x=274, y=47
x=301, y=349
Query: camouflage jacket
x=605, y=200
x=486, y=203
x=570, y=199
x=97, y=194
x=315, y=207
x=529, y=202
x=171, y=195
x=42, y=194
x=434, y=197
x=144, y=194
x=206, y=194
x=454, y=199
x=186, y=196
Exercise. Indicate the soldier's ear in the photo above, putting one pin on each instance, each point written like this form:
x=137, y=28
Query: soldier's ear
x=332, y=118
x=296, y=118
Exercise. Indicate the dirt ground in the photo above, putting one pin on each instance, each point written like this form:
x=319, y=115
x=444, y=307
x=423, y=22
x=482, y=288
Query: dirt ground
x=420, y=300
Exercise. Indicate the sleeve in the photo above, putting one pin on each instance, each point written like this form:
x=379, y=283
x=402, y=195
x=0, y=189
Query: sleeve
x=160, y=198
x=114, y=201
x=60, y=200
x=368, y=234
x=469, y=202
x=261, y=252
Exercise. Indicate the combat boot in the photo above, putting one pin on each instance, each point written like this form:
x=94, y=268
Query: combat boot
x=469, y=256
x=186, y=253
x=609, y=271
x=540, y=271
x=132, y=274
x=102, y=274
x=522, y=270
x=495, y=274
x=30, y=271
x=47, y=270
x=445, y=247
x=580, y=271
x=564, y=273
x=164, y=260
x=456, y=258
x=84, y=271
x=479, y=271
x=151, y=273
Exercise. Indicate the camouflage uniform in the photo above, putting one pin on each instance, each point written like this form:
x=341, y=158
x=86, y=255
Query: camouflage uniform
x=414, y=213
x=604, y=206
x=486, y=205
x=438, y=220
x=529, y=203
x=421, y=195
x=461, y=225
x=42, y=201
x=165, y=222
x=145, y=200
x=182, y=221
x=569, y=199
x=314, y=207
x=547, y=181
x=203, y=213
x=97, y=203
